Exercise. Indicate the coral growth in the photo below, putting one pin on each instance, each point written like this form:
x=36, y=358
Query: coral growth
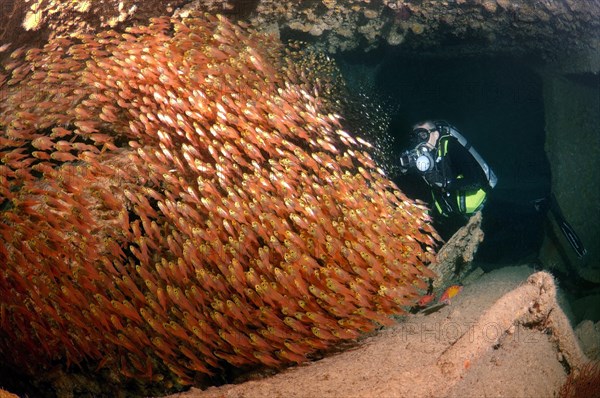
x=583, y=383
x=175, y=197
x=500, y=25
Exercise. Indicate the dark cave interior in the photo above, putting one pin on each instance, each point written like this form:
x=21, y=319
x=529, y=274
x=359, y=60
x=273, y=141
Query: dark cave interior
x=497, y=103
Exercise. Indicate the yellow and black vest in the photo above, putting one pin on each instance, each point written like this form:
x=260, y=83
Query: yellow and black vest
x=458, y=201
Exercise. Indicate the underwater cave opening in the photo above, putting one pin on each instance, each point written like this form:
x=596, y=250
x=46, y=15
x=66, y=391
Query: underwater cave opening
x=497, y=104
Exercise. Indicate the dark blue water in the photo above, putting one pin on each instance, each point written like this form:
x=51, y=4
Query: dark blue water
x=497, y=104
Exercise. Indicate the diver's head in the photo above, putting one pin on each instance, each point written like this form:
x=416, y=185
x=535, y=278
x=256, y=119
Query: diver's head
x=425, y=133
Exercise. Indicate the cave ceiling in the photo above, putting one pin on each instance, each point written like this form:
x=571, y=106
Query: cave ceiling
x=548, y=28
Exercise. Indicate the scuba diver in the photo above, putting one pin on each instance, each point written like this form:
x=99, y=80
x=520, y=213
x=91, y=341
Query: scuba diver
x=460, y=179
x=458, y=176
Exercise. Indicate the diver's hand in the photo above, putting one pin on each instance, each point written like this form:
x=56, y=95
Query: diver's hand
x=436, y=180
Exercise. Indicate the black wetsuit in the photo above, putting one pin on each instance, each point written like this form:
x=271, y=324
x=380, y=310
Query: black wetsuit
x=455, y=172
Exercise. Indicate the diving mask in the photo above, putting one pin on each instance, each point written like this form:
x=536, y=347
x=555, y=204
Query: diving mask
x=420, y=135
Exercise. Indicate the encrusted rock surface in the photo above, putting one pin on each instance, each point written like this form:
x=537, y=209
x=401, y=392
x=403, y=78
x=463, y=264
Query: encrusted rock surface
x=453, y=260
x=548, y=27
x=496, y=25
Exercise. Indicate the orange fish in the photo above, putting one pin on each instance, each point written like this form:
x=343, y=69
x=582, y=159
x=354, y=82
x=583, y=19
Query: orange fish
x=425, y=300
x=449, y=293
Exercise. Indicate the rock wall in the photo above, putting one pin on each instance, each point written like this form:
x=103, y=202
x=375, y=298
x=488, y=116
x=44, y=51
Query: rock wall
x=572, y=102
x=496, y=24
x=341, y=25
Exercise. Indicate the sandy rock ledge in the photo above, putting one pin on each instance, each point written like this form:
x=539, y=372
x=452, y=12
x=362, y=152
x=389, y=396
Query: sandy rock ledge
x=504, y=335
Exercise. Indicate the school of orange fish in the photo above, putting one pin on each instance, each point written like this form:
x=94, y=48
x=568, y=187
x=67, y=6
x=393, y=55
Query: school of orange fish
x=173, y=199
